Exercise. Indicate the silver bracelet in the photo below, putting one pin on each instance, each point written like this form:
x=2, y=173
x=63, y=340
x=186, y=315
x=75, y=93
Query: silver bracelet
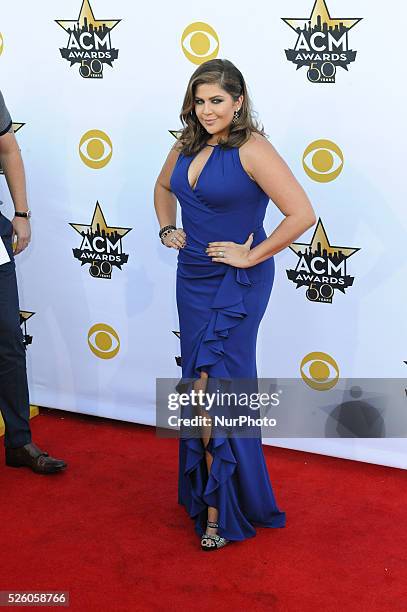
x=166, y=233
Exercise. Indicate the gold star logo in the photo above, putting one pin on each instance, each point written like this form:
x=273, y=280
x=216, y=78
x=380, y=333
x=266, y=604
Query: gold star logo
x=319, y=16
x=86, y=18
x=25, y=315
x=175, y=133
x=321, y=244
x=98, y=225
x=178, y=359
x=17, y=126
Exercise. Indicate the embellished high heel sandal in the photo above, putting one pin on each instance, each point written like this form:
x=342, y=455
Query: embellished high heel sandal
x=212, y=542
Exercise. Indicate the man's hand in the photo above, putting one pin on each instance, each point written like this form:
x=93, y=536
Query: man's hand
x=13, y=167
x=22, y=230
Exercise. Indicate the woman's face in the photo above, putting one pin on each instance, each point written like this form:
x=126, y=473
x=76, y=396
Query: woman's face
x=214, y=108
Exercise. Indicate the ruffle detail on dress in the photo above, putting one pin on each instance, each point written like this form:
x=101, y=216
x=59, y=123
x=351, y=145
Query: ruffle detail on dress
x=215, y=490
x=228, y=310
x=226, y=488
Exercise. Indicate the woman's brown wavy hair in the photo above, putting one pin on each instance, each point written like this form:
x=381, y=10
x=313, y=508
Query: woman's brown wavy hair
x=225, y=74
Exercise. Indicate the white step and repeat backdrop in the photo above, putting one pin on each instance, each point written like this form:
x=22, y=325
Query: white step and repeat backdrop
x=95, y=91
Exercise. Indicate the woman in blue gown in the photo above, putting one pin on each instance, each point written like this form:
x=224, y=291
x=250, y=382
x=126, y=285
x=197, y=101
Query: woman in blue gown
x=223, y=171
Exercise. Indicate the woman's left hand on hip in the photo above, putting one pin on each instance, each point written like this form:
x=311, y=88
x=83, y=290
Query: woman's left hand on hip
x=231, y=253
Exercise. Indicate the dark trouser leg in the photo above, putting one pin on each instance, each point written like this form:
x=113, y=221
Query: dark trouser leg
x=14, y=399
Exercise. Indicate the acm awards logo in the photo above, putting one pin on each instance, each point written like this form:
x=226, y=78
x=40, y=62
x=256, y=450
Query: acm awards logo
x=89, y=42
x=322, y=43
x=199, y=42
x=24, y=316
x=101, y=245
x=321, y=267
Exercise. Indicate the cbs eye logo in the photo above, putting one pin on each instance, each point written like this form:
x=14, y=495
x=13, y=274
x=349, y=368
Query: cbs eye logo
x=103, y=341
x=200, y=42
x=323, y=161
x=95, y=149
x=319, y=371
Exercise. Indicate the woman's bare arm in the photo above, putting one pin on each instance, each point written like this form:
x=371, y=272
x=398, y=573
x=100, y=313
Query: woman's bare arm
x=165, y=202
x=271, y=173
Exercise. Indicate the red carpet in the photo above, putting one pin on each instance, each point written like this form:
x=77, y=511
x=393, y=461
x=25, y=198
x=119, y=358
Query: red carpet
x=110, y=531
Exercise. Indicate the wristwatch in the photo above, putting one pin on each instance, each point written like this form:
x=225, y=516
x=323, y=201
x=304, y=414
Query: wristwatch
x=26, y=215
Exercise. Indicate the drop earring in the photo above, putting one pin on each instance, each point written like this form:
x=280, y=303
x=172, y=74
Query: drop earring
x=235, y=116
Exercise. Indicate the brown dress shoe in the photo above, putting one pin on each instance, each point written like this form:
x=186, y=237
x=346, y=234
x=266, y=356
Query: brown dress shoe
x=33, y=457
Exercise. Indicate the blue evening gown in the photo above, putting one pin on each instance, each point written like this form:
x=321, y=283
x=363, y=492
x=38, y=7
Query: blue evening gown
x=220, y=308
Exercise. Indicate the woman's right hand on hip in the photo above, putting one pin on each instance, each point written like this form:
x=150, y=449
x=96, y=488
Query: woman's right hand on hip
x=176, y=239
